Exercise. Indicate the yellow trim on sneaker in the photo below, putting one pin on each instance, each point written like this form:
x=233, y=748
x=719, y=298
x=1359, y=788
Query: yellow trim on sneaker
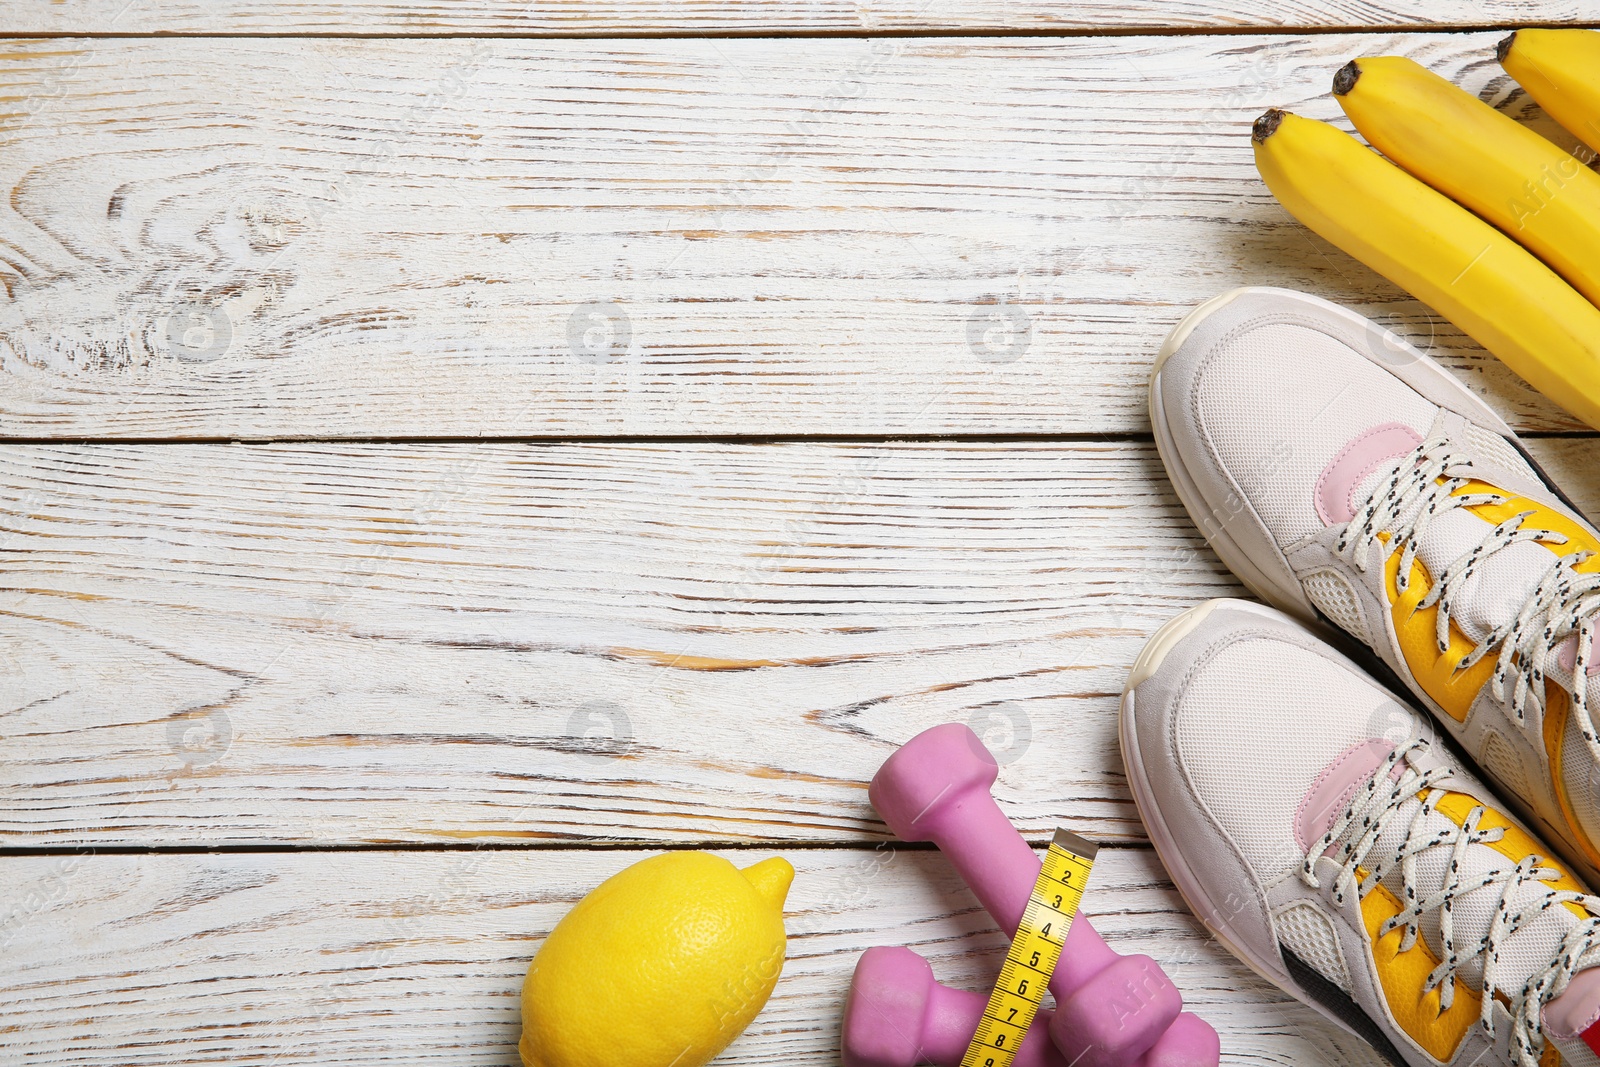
x=1402, y=974
x=1440, y=676
x=1557, y=708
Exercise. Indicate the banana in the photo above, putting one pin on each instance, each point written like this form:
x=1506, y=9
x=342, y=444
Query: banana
x=1561, y=70
x=1439, y=252
x=1509, y=175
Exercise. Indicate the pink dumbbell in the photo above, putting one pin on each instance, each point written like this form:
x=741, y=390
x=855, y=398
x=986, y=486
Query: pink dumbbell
x=1110, y=1009
x=898, y=1016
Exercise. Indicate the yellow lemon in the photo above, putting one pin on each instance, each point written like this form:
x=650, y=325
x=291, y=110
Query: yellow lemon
x=662, y=965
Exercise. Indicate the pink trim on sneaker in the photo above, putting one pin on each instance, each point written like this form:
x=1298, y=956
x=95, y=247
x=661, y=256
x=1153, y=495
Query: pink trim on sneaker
x=1567, y=652
x=1335, y=495
x=1335, y=787
x=1576, y=1011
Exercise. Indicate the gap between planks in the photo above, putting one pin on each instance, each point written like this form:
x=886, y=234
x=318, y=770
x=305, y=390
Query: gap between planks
x=1034, y=841
x=1090, y=438
x=804, y=35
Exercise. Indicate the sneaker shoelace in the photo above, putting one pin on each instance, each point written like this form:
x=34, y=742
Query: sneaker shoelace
x=1397, y=785
x=1564, y=603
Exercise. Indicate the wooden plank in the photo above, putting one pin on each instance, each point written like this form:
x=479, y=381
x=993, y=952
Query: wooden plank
x=375, y=958
x=380, y=643
x=346, y=643
x=648, y=17
x=356, y=238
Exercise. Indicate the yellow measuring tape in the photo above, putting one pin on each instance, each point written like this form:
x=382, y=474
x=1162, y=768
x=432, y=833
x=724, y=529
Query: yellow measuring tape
x=1034, y=952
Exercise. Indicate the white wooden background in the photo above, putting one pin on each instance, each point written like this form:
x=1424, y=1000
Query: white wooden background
x=449, y=452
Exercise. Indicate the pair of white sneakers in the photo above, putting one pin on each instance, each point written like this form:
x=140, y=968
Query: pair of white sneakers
x=1332, y=836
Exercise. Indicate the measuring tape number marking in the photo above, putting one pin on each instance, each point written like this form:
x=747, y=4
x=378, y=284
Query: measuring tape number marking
x=1034, y=952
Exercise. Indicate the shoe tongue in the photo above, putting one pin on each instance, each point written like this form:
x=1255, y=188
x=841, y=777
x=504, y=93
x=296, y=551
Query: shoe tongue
x=1572, y=1020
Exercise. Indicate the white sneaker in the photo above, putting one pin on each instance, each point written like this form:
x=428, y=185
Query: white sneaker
x=1345, y=476
x=1325, y=834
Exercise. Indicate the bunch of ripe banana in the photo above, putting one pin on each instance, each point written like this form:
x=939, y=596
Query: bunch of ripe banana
x=1485, y=221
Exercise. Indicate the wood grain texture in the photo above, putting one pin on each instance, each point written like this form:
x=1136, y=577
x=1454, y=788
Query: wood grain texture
x=377, y=958
x=765, y=17
x=363, y=643
x=409, y=643
x=363, y=238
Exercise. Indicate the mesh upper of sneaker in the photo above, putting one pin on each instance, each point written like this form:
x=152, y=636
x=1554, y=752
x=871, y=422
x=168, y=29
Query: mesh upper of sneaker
x=1439, y=870
x=1501, y=581
x=1276, y=401
x=1238, y=720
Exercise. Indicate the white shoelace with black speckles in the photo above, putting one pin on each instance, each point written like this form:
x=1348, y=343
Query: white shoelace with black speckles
x=1356, y=833
x=1564, y=604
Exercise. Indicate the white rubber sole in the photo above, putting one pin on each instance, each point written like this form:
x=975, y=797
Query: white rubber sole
x=1183, y=877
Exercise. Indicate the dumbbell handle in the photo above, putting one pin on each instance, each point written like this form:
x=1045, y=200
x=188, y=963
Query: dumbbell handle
x=952, y=1019
x=1000, y=869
